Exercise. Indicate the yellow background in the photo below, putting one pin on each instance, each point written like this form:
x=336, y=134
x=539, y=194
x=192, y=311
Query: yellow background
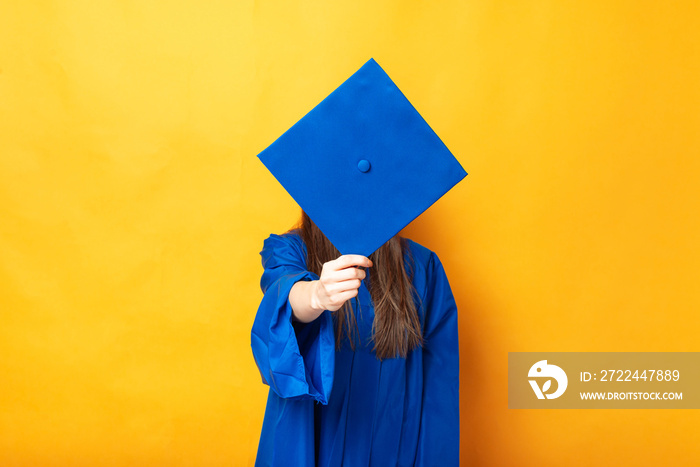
x=133, y=208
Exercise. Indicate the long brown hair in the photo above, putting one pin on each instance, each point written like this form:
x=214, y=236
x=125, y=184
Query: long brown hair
x=396, y=329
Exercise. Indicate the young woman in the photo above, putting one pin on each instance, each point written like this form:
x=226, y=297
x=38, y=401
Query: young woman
x=362, y=364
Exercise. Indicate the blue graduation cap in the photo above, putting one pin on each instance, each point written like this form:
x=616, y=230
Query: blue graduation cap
x=363, y=163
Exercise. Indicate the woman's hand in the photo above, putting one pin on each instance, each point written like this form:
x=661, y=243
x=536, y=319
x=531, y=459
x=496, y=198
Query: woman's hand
x=338, y=282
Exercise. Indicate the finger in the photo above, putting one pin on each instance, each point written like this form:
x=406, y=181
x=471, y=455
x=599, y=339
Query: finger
x=351, y=284
x=340, y=298
x=348, y=273
x=344, y=286
x=346, y=261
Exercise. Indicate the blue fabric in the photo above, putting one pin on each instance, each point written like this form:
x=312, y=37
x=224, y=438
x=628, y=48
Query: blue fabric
x=370, y=147
x=329, y=407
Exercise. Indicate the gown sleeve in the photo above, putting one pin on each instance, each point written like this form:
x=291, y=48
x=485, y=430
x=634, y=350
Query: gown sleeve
x=295, y=359
x=438, y=442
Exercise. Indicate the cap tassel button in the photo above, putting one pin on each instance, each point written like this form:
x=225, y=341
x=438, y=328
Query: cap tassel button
x=363, y=166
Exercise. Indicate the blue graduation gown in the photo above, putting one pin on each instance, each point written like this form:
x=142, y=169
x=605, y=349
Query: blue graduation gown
x=329, y=407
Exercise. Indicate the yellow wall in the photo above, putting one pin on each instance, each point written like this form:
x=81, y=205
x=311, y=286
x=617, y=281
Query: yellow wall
x=133, y=208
